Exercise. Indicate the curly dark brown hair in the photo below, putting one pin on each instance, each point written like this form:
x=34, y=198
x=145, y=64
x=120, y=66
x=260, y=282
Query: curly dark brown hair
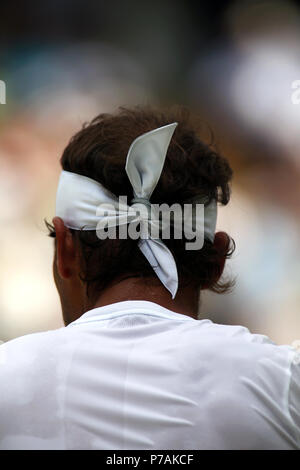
x=192, y=168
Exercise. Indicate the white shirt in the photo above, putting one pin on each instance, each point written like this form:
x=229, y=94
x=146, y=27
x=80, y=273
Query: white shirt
x=134, y=375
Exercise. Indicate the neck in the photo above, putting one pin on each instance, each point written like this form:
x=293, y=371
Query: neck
x=185, y=302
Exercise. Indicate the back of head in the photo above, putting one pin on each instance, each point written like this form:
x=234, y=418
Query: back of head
x=192, y=168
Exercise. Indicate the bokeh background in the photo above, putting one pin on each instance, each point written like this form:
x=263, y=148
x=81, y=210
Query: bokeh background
x=233, y=63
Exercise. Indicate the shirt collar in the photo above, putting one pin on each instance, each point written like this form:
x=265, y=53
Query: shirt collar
x=128, y=307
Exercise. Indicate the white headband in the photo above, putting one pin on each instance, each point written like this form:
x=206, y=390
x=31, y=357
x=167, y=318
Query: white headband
x=78, y=200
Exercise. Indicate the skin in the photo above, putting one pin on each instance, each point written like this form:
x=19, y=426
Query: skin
x=72, y=291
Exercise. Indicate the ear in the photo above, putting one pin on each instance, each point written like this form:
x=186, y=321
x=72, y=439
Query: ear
x=65, y=249
x=221, y=242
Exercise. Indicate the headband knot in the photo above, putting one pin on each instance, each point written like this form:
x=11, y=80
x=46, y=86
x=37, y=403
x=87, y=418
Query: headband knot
x=141, y=201
x=84, y=204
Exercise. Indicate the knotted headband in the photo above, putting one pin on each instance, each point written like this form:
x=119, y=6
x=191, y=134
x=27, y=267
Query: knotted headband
x=84, y=204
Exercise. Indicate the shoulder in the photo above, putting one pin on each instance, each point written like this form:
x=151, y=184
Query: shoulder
x=30, y=400
x=26, y=349
x=252, y=382
x=237, y=348
x=238, y=360
x=32, y=362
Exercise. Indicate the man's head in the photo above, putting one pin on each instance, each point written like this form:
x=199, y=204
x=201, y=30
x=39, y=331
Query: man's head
x=85, y=267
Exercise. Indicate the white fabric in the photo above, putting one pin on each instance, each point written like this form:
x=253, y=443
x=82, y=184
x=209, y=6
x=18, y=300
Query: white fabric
x=80, y=201
x=133, y=375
